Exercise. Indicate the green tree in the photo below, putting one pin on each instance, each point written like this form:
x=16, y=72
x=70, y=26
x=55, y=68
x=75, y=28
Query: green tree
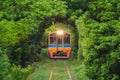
x=99, y=39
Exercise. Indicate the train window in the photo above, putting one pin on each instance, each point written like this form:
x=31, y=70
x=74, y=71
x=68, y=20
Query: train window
x=53, y=38
x=59, y=39
x=67, y=39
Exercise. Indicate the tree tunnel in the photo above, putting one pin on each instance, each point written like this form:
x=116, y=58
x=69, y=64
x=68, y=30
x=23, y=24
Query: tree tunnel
x=94, y=25
x=60, y=26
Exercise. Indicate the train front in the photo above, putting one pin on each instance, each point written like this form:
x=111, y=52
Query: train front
x=59, y=44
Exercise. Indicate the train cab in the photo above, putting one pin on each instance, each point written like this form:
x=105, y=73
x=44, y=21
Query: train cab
x=59, y=44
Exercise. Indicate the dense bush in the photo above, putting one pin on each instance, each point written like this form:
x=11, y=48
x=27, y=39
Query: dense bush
x=12, y=72
x=4, y=66
x=44, y=53
x=18, y=73
x=99, y=42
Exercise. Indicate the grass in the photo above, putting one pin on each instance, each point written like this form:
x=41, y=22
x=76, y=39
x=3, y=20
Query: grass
x=43, y=69
x=77, y=69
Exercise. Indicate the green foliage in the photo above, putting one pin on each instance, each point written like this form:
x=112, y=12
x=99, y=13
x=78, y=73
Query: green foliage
x=41, y=70
x=4, y=66
x=22, y=25
x=19, y=73
x=8, y=72
x=50, y=29
x=104, y=10
x=44, y=53
x=99, y=40
x=11, y=32
x=78, y=69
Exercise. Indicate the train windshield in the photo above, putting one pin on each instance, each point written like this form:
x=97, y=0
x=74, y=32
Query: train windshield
x=59, y=39
x=53, y=38
x=66, y=38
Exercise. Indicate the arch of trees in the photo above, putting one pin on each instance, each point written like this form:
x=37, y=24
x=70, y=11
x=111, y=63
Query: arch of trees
x=95, y=26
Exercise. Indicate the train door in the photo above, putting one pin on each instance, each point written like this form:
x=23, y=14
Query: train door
x=60, y=44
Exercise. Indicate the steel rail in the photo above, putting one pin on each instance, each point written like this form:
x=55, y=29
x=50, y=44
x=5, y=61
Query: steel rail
x=68, y=71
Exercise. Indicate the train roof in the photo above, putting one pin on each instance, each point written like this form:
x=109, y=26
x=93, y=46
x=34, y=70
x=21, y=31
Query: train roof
x=56, y=32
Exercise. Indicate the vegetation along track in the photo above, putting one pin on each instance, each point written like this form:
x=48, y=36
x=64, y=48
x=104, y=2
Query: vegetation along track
x=60, y=71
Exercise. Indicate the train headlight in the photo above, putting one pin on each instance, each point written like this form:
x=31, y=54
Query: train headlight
x=60, y=32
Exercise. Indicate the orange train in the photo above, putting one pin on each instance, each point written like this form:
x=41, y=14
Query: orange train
x=59, y=44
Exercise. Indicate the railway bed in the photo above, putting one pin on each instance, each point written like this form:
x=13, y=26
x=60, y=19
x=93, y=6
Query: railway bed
x=60, y=71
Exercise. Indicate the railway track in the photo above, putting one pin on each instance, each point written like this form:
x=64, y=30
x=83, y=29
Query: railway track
x=58, y=69
x=51, y=73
